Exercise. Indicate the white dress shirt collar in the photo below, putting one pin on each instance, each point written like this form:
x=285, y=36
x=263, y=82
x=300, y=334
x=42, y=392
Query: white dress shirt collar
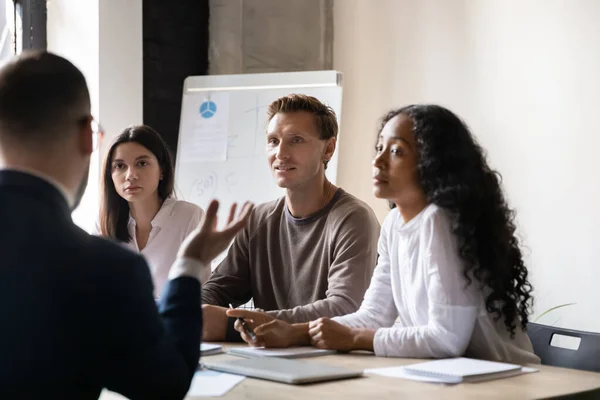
x=161, y=217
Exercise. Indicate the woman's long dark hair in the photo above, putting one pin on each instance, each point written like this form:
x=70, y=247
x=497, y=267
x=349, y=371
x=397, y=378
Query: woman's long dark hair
x=455, y=176
x=114, y=210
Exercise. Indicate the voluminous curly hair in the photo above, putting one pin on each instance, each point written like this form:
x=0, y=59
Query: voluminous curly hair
x=454, y=173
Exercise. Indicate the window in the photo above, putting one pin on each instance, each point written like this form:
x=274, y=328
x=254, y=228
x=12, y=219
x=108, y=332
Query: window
x=8, y=25
x=16, y=17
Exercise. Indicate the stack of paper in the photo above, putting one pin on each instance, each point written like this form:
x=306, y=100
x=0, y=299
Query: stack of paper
x=453, y=370
x=207, y=349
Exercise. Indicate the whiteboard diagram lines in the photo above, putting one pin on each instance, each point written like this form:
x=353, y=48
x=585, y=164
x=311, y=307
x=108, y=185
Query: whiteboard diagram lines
x=232, y=181
x=231, y=139
x=257, y=110
x=204, y=187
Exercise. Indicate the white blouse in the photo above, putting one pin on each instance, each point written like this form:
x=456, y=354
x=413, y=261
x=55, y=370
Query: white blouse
x=419, y=303
x=175, y=220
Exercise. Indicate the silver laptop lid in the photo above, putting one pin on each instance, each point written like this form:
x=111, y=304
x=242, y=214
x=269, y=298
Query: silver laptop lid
x=282, y=370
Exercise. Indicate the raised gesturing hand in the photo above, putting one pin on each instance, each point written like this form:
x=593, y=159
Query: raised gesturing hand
x=206, y=242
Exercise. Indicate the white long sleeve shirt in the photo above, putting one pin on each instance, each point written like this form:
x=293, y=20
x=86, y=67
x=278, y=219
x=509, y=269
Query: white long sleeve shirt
x=419, y=301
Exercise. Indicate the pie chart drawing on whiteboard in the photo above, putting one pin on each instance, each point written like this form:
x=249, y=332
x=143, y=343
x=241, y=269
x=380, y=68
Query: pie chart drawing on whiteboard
x=208, y=109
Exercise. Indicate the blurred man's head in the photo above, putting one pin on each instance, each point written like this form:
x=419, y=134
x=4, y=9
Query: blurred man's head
x=45, y=121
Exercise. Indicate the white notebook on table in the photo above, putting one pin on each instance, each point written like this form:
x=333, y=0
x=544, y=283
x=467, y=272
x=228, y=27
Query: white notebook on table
x=292, y=352
x=457, y=370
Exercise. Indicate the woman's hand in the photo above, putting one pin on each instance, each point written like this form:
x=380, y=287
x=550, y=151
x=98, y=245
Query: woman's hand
x=206, y=241
x=327, y=334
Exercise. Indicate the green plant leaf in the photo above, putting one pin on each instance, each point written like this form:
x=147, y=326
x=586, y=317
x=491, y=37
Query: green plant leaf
x=552, y=309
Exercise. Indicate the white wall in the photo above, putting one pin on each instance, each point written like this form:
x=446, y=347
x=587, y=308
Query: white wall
x=524, y=75
x=103, y=38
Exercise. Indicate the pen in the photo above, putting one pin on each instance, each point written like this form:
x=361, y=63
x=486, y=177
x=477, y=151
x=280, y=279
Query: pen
x=247, y=329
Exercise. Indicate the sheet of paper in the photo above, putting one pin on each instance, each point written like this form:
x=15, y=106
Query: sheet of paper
x=204, y=127
x=399, y=372
x=208, y=349
x=212, y=383
x=528, y=370
x=461, y=367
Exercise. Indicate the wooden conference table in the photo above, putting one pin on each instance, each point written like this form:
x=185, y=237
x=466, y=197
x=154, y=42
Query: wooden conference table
x=547, y=383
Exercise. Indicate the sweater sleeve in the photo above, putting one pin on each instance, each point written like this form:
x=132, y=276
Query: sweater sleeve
x=230, y=282
x=377, y=309
x=349, y=274
x=453, y=305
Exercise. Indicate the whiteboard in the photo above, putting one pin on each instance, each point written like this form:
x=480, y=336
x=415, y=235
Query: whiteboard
x=221, y=152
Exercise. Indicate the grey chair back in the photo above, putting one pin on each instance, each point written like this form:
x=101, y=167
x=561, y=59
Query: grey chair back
x=586, y=357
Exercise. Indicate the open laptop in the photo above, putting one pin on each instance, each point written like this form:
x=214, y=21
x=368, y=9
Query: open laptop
x=282, y=370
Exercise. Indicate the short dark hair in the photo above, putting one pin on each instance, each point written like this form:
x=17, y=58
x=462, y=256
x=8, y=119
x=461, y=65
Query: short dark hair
x=41, y=94
x=324, y=115
x=114, y=210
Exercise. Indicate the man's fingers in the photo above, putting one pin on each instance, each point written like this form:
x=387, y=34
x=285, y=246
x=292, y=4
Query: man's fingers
x=317, y=322
x=241, y=313
x=245, y=337
x=317, y=337
x=238, y=327
x=257, y=343
x=314, y=330
x=242, y=219
x=245, y=214
x=231, y=213
x=210, y=216
x=246, y=209
x=251, y=342
x=266, y=327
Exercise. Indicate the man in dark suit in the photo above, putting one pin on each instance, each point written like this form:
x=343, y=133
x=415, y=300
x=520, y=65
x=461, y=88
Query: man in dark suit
x=77, y=312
